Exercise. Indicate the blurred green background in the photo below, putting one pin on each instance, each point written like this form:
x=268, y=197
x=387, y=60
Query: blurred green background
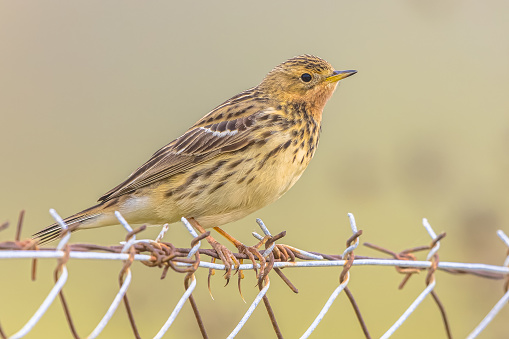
x=89, y=90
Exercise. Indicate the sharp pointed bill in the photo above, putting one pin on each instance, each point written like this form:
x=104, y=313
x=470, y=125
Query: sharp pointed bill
x=339, y=75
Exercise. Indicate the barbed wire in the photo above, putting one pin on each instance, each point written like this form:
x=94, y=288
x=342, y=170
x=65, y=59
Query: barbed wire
x=157, y=253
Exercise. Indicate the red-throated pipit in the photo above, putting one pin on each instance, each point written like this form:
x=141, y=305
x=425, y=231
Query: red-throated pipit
x=243, y=155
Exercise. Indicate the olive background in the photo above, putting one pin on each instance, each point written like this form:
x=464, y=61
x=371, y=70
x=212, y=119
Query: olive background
x=90, y=89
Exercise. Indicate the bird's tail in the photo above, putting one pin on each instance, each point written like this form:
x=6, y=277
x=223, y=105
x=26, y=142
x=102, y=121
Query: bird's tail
x=86, y=217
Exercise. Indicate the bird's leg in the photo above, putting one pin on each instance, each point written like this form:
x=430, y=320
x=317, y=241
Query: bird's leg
x=224, y=253
x=250, y=251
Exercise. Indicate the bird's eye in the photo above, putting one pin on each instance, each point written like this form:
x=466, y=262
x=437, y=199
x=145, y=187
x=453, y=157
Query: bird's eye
x=306, y=77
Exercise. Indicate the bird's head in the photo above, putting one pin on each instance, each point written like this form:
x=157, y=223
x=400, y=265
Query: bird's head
x=304, y=79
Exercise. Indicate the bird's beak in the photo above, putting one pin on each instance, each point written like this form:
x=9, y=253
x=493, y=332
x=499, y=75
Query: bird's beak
x=338, y=75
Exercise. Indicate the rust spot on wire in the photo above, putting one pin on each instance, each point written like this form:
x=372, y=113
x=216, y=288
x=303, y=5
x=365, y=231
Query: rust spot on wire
x=20, y=225
x=61, y=262
x=357, y=312
x=195, y=307
x=121, y=277
x=4, y=226
x=286, y=280
x=350, y=256
x=270, y=312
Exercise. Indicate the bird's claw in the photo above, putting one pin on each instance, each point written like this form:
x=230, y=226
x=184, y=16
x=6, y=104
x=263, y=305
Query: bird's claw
x=228, y=259
x=251, y=253
x=231, y=262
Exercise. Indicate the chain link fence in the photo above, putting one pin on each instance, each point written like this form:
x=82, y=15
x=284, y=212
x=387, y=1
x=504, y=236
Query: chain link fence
x=158, y=253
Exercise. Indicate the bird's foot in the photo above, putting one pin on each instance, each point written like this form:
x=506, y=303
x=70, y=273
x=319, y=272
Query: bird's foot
x=227, y=257
x=253, y=254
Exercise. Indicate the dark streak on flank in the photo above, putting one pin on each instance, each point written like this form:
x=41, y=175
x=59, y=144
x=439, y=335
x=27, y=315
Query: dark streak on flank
x=215, y=168
x=250, y=180
x=215, y=188
x=270, y=154
x=243, y=149
x=226, y=176
x=273, y=152
x=235, y=163
x=193, y=177
x=189, y=181
x=286, y=144
x=196, y=193
x=183, y=195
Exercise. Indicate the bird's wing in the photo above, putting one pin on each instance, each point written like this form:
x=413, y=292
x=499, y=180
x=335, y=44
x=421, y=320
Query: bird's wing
x=227, y=128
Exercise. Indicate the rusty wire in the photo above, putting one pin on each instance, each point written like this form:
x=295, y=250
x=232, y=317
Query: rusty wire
x=166, y=256
x=408, y=254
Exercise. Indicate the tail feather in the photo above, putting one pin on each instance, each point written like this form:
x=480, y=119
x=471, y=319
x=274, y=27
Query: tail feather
x=54, y=231
x=48, y=234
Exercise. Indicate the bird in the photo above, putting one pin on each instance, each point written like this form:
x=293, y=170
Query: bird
x=241, y=156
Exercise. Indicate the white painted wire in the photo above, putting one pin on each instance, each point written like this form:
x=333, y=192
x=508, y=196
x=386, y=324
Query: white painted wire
x=326, y=308
x=176, y=310
x=250, y=311
x=44, y=306
x=113, y=307
x=409, y=310
x=469, y=267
